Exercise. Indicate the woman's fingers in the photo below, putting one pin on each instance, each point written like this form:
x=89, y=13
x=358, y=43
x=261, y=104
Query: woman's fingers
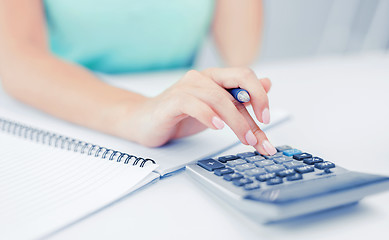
x=225, y=108
x=266, y=83
x=221, y=102
x=196, y=108
x=207, y=101
x=245, y=78
x=207, y=106
x=263, y=146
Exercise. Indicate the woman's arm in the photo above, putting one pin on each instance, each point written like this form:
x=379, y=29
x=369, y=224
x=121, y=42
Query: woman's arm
x=237, y=30
x=30, y=73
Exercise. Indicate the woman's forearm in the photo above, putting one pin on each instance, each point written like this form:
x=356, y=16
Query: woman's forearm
x=65, y=90
x=237, y=29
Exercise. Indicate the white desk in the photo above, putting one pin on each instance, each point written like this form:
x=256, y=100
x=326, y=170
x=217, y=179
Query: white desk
x=341, y=112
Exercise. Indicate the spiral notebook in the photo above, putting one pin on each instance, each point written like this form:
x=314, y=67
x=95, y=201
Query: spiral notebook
x=49, y=180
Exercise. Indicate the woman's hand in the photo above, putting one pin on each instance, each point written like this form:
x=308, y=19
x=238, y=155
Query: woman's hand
x=200, y=100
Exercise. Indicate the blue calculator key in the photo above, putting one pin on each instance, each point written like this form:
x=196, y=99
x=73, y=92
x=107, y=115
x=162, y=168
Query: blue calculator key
x=254, y=172
x=324, y=165
x=223, y=171
x=291, y=152
x=293, y=164
x=283, y=148
x=252, y=186
x=224, y=159
x=274, y=181
x=242, y=181
x=312, y=160
x=232, y=176
x=285, y=172
x=265, y=177
x=255, y=158
x=244, y=167
x=305, y=169
x=245, y=154
x=302, y=156
x=281, y=160
x=264, y=163
x=210, y=164
x=236, y=162
x=294, y=177
x=274, y=168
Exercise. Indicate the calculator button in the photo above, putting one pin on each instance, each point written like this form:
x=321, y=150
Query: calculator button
x=324, y=165
x=274, y=181
x=274, y=168
x=265, y=177
x=252, y=186
x=291, y=152
x=244, y=167
x=283, y=148
x=210, y=164
x=245, y=154
x=301, y=156
x=223, y=171
x=294, y=177
x=242, y=181
x=327, y=171
x=312, y=160
x=293, y=164
x=232, y=176
x=285, y=172
x=233, y=163
x=281, y=160
x=255, y=158
x=255, y=172
x=305, y=169
x=224, y=159
x=278, y=154
x=264, y=163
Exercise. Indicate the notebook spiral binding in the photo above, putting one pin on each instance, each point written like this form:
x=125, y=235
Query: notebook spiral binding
x=69, y=144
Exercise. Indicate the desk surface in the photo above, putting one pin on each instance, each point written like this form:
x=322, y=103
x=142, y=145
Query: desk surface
x=340, y=112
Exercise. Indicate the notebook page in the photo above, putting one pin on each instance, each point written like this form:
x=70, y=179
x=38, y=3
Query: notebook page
x=44, y=188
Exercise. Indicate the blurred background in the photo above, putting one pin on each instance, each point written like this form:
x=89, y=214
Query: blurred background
x=306, y=28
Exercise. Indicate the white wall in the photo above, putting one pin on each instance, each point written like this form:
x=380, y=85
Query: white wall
x=305, y=28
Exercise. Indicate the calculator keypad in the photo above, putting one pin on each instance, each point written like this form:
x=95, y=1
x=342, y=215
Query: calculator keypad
x=251, y=170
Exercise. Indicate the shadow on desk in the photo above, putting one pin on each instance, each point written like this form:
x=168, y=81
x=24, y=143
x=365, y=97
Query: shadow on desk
x=346, y=211
x=326, y=224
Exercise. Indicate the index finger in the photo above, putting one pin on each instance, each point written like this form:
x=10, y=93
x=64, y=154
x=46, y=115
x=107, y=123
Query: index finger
x=263, y=145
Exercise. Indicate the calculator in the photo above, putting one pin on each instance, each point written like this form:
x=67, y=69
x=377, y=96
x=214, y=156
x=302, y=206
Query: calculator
x=287, y=184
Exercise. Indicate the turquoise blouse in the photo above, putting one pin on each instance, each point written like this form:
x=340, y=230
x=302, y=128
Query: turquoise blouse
x=117, y=36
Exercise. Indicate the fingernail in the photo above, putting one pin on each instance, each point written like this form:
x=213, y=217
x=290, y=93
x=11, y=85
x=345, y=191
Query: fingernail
x=266, y=116
x=269, y=148
x=250, y=138
x=217, y=122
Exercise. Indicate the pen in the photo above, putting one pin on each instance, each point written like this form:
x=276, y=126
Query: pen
x=240, y=94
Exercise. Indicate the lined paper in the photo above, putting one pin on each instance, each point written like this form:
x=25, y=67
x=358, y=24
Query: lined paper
x=43, y=188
